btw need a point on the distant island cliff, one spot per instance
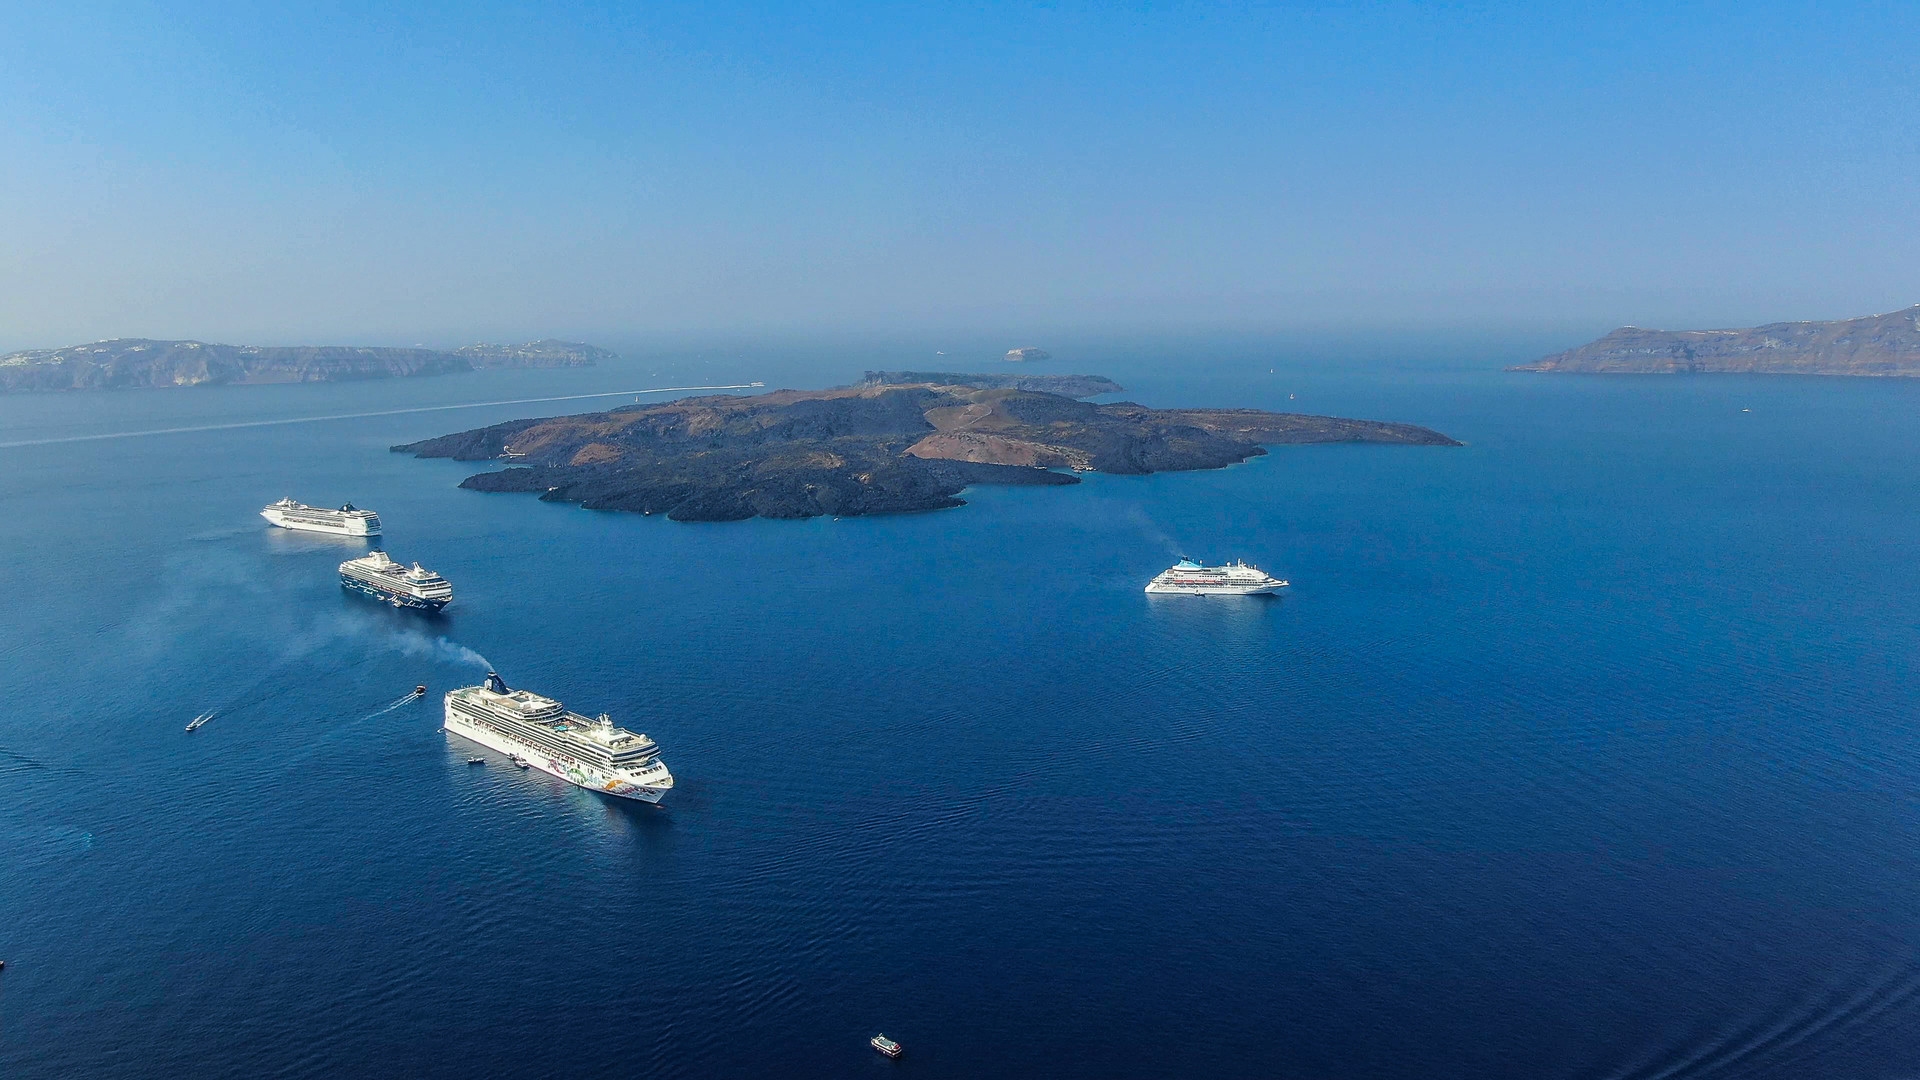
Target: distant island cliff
(143, 362)
(1076, 386)
(1886, 344)
(875, 448)
(543, 353)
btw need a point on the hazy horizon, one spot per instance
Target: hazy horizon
(368, 176)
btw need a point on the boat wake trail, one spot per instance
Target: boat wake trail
(275, 684)
(405, 699)
(1788, 1042)
(357, 416)
(347, 725)
(14, 762)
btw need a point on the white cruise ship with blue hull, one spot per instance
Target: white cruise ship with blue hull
(395, 583)
(539, 731)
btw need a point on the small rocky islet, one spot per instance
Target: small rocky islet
(883, 446)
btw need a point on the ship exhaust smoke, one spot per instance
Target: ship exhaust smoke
(1152, 530)
(417, 643)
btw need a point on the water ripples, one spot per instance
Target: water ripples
(1509, 784)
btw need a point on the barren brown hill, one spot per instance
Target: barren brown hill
(865, 449)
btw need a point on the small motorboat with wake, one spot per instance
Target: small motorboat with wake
(194, 724)
(420, 691)
(476, 761)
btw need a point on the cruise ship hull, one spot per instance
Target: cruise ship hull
(1218, 590)
(1189, 578)
(347, 527)
(577, 773)
(389, 596)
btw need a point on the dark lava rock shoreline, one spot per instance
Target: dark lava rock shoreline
(878, 448)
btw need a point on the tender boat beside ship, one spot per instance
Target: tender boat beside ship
(346, 521)
(380, 577)
(1233, 579)
(539, 732)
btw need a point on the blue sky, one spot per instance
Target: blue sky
(380, 172)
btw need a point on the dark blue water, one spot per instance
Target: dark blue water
(1584, 751)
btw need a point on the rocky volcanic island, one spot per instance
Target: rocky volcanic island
(886, 445)
(1886, 344)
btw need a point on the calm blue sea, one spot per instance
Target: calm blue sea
(1584, 751)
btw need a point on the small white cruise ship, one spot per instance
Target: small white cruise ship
(346, 521)
(539, 731)
(396, 583)
(1233, 579)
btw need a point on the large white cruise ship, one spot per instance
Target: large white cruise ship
(345, 521)
(383, 579)
(592, 754)
(1234, 579)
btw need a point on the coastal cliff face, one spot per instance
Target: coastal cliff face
(544, 353)
(140, 362)
(866, 449)
(126, 363)
(1887, 344)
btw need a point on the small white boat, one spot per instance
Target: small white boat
(520, 763)
(887, 1046)
(194, 725)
